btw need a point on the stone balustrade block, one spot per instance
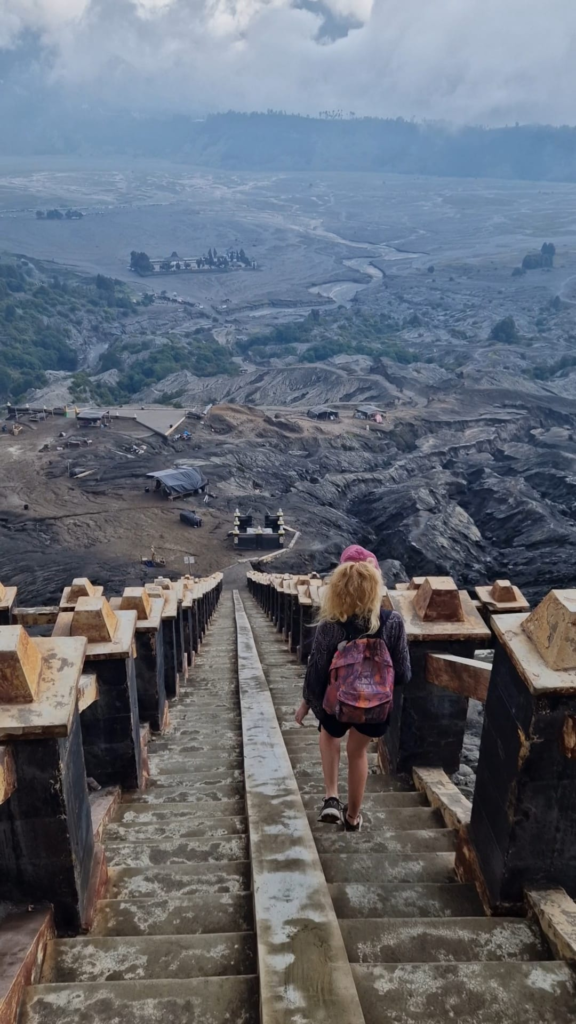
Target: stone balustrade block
(20, 666)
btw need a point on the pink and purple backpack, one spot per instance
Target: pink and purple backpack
(361, 686)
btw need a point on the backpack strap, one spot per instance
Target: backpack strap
(384, 616)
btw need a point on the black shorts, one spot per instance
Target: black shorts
(339, 729)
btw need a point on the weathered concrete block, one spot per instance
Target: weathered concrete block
(523, 827)
(136, 599)
(438, 600)
(110, 725)
(45, 827)
(7, 604)
(427, 723)
(94, 618)
(20, 666)
(552, 629)
(81, 587)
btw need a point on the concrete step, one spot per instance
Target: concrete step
(303, 762)
(193, 707)
(375, 785)
(181, 828)
(207, 849)
(176, 915)
(213, 1000)
(191, 718)
(202, 722)
(478, 993)
(460, 940)
(304, 740)
(219, 773)
(291, 728)
(441, 840)
(148, 957)
(206, 697)
(197, 691)
(392, 819)
(304, 734)
(314, 776)
(190, 748)
(152, 813)
(181, 789)
(366, 867)
(183, 879)
(195, 762)
(409, 900)
(374, 801)
(187, 735)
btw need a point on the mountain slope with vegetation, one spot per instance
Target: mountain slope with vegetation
(60, 321)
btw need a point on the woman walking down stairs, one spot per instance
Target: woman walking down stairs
(422, 950)
(176, 939)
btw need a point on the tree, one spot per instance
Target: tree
(140, 262)
(104, 284)
(505, 331)
(40, 215)
(55, 215)
(548, 252)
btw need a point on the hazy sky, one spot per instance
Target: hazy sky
(489, 61)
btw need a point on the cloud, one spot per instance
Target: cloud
(457, 60)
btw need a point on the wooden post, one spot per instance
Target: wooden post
(110, 725)
(7, 604)
(306, 631)
(149, 654)
(428, 721)
(523, 827)
(46, 839)
(183, 661)
(173, 610)
(169, 612)
(502, 598)
(281, 612)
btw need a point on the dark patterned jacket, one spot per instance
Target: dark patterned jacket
(330, 634)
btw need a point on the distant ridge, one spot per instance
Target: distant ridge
(288, 142)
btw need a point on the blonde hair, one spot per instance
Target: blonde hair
(354, 590)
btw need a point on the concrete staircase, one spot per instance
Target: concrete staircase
(421, 949)
(174, 939)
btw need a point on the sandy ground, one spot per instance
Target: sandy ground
(118, 524)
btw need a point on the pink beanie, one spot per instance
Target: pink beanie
(355, 553)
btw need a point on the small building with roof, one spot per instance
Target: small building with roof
(179, 483)
(368, 412)
(323, 412)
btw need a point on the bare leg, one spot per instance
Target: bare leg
(330, 753)
(357, 772)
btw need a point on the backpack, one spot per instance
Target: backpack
(361, 685)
